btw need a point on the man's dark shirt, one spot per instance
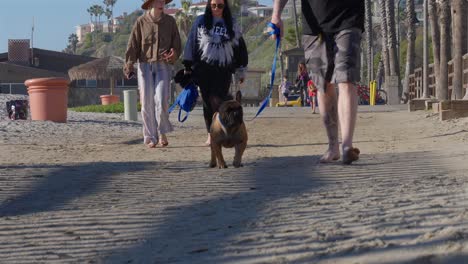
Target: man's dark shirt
(331, 16)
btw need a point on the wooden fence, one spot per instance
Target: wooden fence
(416, 80)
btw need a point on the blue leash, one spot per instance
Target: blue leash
(277, 33)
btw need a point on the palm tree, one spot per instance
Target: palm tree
(380, 71)
(183, 18)
(110, 4)
(99, 13)
(459, 46)
(444, 22)
(411, 37)
(72, 42)
(391, 39)
(91, 13)
(370, 62)
(108, 14)
(383, 29)
(435, 36)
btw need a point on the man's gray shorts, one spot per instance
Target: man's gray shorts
(333, 57)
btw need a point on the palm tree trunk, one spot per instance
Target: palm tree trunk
(459, 46)
(370, 56)
(435, 34)
(380, 72)
(383, 28)
(444, 21)
(391, 39)
(363, 65)
(411, 37)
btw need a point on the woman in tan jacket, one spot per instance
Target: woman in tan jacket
(155, 44)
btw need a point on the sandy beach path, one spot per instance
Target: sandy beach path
(89, 192)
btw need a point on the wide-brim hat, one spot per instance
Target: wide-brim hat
(147, 3)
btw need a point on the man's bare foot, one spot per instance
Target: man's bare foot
(208, 140)
(151, 145)
(330, 156)
(350, 154)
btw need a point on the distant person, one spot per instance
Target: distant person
(301, 81)
(155, 44)
(332, 32)
(312, 90)
(215, 49)
(284, 89)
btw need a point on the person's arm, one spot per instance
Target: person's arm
(278, 6)
(176, 46)
(242, 60)
(298, 80)
(133, 50)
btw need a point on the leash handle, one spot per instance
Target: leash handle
(185, 118)
(276, 31)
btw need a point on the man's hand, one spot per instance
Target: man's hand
(241, 80)
(279, 23)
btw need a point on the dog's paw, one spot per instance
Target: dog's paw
(212, 164)
(237, 164)
(222, 166)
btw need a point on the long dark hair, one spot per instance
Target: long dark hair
(227, 16)
(301, 67)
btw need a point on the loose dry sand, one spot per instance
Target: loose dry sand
(89, 191)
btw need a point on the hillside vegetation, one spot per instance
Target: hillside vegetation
(261, 48)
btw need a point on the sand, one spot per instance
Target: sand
(89, 191)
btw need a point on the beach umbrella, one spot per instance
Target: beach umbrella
(100, 69)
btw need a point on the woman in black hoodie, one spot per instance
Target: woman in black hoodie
(214, 51)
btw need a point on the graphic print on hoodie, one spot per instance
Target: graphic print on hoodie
(215, 47)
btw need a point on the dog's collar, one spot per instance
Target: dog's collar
(223, 127)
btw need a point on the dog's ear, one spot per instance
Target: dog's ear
(239, 97)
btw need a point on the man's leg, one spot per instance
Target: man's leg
(347, 68)
(329, 111)
(347, 112)
(319, 55)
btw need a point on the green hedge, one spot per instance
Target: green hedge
(113, 108)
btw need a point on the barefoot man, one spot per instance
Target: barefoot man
(332, 36)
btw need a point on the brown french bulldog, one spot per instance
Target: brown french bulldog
(228, 130)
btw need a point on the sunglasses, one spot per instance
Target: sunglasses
(219, 6)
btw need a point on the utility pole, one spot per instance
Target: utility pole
(425, 53)
(398, 30)
(32, 42)
(240, 13)
(298, 43)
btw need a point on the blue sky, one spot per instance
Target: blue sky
(54, 20)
